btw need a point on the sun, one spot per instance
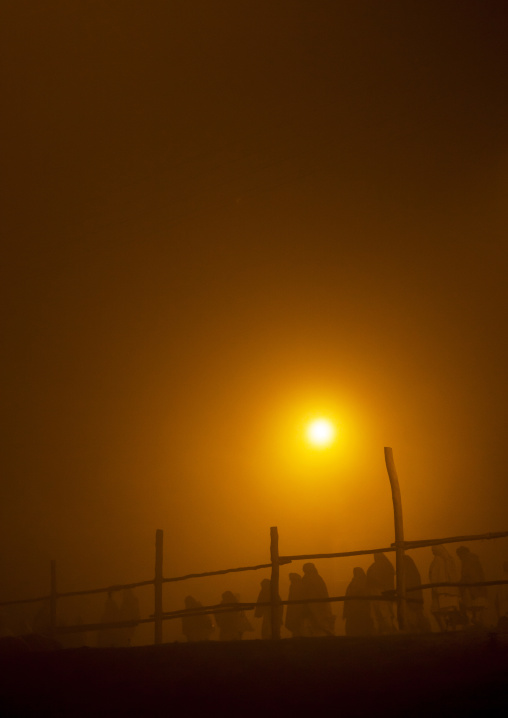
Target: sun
(320, 433)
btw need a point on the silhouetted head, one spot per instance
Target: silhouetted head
(382, 561)
(190, 602)
(295, 577)
(359, 572)
(440, 551)
(229, 597)
(309, 569)
(266, 583)
(463, 552)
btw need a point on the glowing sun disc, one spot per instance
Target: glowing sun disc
(321, 432)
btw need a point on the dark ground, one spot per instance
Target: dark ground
(450, 674)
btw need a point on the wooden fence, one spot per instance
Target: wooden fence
(159, 615)
(276, 561)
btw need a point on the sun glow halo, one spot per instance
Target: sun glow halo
(320, 433)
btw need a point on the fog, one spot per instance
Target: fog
(222, 219)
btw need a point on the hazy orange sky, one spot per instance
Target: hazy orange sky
(220, 218)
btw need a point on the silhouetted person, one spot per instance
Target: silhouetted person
(232, 624)
(110, 637)
(356, 612)
(445, 599)
(295, 613)
(381, 578)
(42, 620)
(416, 619)
(501, 602)
(196, 628)
(129, 611)
(474, 598)
(73, 640)
(4, 630)
(319, 619)
(265, 612)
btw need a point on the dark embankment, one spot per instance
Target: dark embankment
(452, 675)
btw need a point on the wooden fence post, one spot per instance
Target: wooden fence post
(158, 587)
(52, 600)
(274, 583)
(399, 539)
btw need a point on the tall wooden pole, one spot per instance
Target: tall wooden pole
(274, 583)
(52, 599)
(158, 587)
(399, 539)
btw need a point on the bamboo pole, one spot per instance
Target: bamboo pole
(52, 599)
(274, 582)
(158, 587)
(399, 538)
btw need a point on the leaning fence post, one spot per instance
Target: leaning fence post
(157, 585)
(399, 539)
(274, 583)
(52, 599)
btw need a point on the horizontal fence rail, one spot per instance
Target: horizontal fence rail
(85, 627)
(109, 589)
(341, 554)
(20, 601)
(455, 539)
(87, 592)
(457, 584)
(259, 566)
(231, 607)
(389, 596)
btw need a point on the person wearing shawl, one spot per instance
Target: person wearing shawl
(319, 619)
(295, 613)
(129, 611)
(232, 624)
(356, 611)
(196, 628)
(110, 637)
(501, 602)
(265, 612)
(474, 598)
(417, 621)
(445, 599)
(381, 578)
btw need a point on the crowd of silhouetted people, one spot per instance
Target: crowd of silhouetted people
(368, 608)
(312, 617)
(369, 605)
